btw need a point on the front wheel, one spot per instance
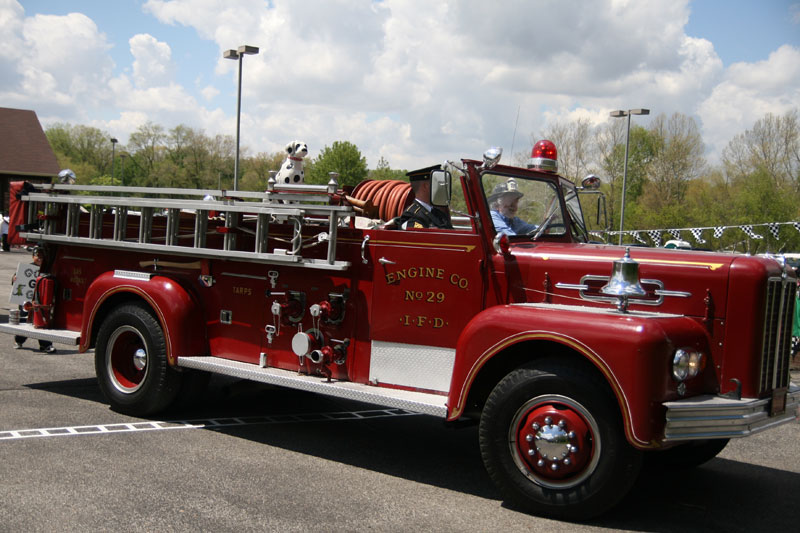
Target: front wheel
(552, 441)
(131, 362)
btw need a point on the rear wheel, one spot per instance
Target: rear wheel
(552, 441)
(131, 362)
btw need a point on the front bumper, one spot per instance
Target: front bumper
(715, 417)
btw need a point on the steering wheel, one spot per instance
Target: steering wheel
(544, 225)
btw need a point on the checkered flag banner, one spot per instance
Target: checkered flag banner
(655, 236)
(718, 231)
(749, 232)
(697, 233)
(676, 233)
(774, 228)
(638, 237)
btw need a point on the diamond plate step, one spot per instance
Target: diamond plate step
(61, 336)
(418, 402)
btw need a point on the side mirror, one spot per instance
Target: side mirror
(590, 182)
(491, 157)
(440, 187)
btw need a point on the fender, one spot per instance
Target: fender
(633, 351)
(175, 309)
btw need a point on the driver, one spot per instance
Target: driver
(421, 214)
(504, 202)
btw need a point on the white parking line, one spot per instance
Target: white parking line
(202, 423)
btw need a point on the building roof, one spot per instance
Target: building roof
(24, 149)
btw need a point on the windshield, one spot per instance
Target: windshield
(523, 206)
(577, 225)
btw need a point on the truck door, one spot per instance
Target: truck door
(427, 285)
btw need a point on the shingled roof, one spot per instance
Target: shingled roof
(24, 149)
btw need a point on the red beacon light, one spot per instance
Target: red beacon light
(544, 157)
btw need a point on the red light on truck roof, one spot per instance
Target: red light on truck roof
(544, 156)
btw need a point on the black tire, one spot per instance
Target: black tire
(595, 464)
(689, 455)
(131, 362)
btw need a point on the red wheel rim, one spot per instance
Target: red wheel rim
(555, 441)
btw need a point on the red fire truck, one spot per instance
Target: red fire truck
(575, 358)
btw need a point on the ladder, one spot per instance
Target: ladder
(302, 206)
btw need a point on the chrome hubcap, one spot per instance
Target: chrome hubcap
(140, 359)
(554, 441)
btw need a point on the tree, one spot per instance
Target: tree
(257, 169)
(772, 145)
(342, 157)
(677, 159)
(383, 171)
(221, 150)
(81, 144)
(575, 147)
(611, 149)
(146, 143)
(177, 140)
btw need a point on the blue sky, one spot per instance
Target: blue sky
(190, 52)
(412, 81)
(744, 30)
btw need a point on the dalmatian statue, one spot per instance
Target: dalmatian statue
(292, 168)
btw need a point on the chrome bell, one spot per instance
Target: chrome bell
(624, 281)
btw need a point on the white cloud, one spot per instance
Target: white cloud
(152, 61)
(426, 80)
(411, 80)
(747, 92)
(209, 92)
(55, 64)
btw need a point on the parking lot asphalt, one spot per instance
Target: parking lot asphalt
(249, 457)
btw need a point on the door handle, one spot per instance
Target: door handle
(364, 249)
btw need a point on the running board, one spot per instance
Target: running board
(418, 402)
(61, 336)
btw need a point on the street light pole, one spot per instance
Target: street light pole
(122, 156)
(239, 55)
(113, 157)
(617, 114)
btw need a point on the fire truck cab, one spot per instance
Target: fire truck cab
(575, 358)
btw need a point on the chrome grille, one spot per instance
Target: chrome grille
(776, 345)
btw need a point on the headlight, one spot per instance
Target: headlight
(687, 364)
